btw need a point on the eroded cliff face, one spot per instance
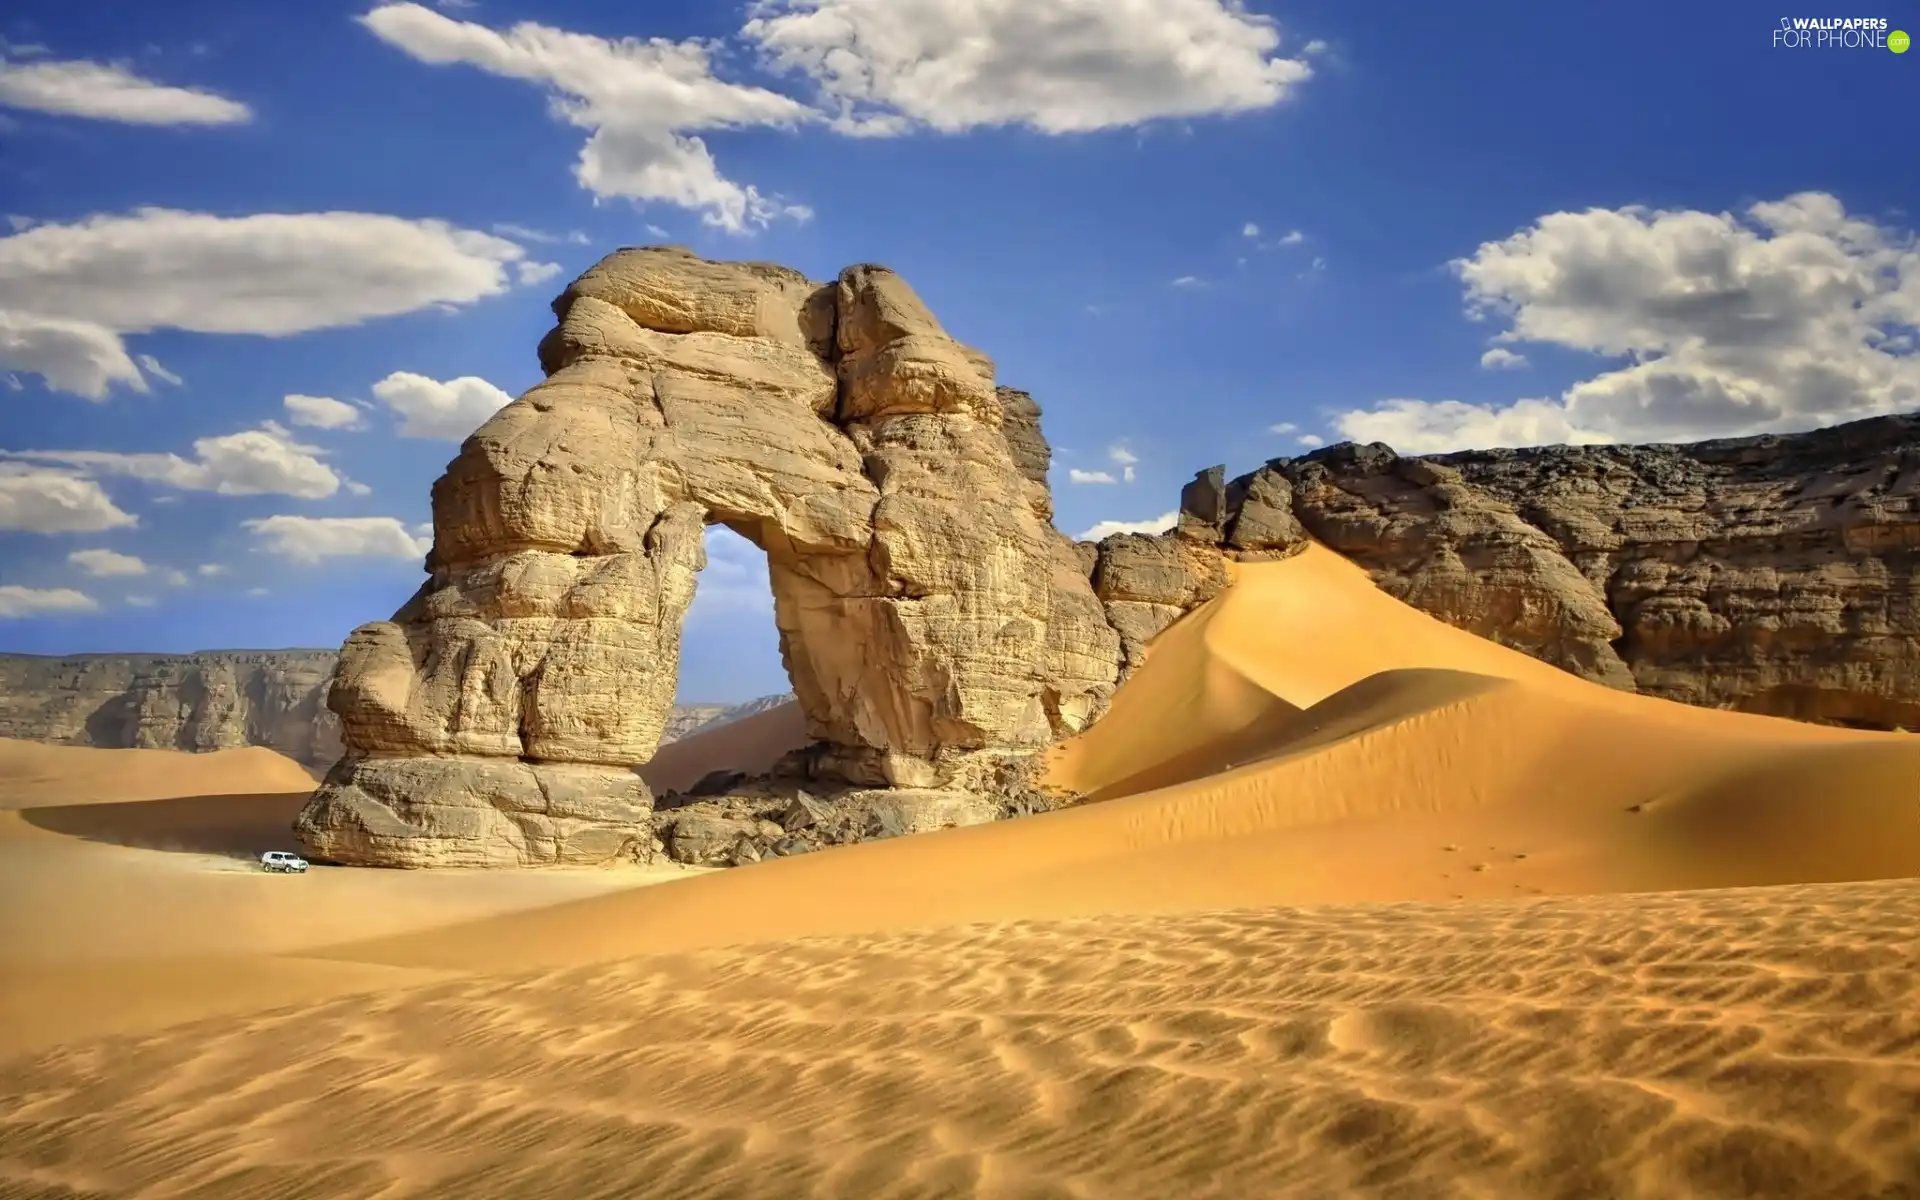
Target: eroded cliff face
(1776, 574)
(208, 701)
(931, 619)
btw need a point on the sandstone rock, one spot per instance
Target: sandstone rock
(898, 811)
(928, 613)
(477, 812)
(700, 840)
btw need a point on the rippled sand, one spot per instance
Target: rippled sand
(1760, 1043)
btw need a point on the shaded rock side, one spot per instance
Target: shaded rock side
(213, 700)
(923, 611)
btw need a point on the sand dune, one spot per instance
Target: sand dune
(33, 774)
(1359, 905)
(750, 745)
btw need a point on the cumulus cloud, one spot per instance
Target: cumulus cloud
(1310, 440)
(141, 601)
(46, 500)
(311, 539)
(111, 92)
(69, 293)
(1249, 230)
(430, 408)
(1292, 237)
(72, 356)
(1502, 359)
(1791, 315)
(104, 563)
(1076, 475)
(254, 462)
(17, 601)
(641, 103)
(322, 412)
(1125, 459)
(1105, 529)
(1066, 66)
(209, 570)
(1282, 427)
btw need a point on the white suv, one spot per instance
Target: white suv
(280, 860)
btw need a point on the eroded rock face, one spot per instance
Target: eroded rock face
(929, 615)
(1776, 574)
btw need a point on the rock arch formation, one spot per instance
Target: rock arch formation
(930, 617)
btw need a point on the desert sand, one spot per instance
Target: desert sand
(1359, 905)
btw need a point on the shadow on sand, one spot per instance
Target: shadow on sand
(239, 826)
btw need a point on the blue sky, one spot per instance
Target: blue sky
(1197, 232)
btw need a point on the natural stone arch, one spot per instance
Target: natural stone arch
(930, 617)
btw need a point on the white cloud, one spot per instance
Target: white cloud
(1189, 281)
(310, 539)
(254, 462)
(1502, 359)
(1283, 427)
(17, 601)
(69, 292)
(429, 408)
(640, 102)
(322, 412)
(1789, 316)
(141, 601)
(1437, 426)
(1125, 459)
(110, 92)
(1065, 66)
(1316, 46)
(1310, 440)
(656, 231)
(177, 578)
(72, 356)
(103, 563)
(254, 593)
(47, 500)
(735, 580)
(1076, 475)
(1250, 230)
(535, 272)
(209, 570)
(356, 488)
(151, 366)
(1293, 237)
(1105, 529)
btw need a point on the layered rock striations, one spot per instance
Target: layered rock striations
(212, 700)
(930, 617)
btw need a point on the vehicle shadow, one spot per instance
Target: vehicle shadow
(239, 826)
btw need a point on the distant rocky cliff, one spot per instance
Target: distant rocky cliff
(207, 701)
(213, 700)
(1775, 574)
